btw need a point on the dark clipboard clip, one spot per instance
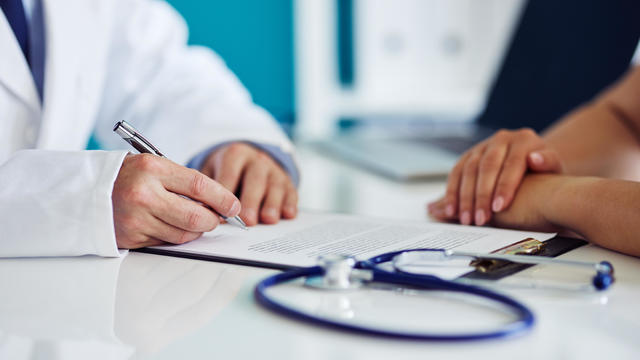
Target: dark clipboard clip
(487, 269)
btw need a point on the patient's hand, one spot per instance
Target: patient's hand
(486, 178)
(528, 208)
(265, 190)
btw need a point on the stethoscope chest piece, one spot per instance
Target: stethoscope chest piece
(340, 274)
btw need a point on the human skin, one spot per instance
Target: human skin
(601, 138)
(266, 191)
(148, 209)
(604, 211)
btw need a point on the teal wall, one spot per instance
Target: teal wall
(255, 38)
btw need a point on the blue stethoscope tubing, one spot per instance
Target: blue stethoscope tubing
(524, 322)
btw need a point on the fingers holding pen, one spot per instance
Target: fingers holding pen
(171, 234)
(200, 187)
(185, 214)
(147, 206)
(148, 195)
(141, 229)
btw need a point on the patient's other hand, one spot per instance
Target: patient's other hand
(487, 176)
(528, 210)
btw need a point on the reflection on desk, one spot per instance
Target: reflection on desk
(66, 308)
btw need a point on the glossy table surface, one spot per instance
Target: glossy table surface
(149, 306)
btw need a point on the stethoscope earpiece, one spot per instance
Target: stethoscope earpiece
(603, 278)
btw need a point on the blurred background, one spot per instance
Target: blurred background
(255, 38)
(312, 63)
(315, 62)
(326, 67)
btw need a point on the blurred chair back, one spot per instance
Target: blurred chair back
(562, 54)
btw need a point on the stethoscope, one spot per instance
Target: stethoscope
(345, 272)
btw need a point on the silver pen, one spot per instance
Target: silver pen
(135, 139)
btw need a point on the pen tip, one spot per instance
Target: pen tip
(241, 223)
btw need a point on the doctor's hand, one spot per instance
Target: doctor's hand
(148, 209)
(266, 191)
(487, 176)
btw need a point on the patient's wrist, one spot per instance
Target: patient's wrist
(566, 201)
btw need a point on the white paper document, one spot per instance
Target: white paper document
(299, 242)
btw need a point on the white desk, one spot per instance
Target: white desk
(148, 306)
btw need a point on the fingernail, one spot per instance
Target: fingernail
(465, 218)
(449, 210)
(536, 158)
(497, 204)
(480, 217)
(251, 215)
(235, 208)
(290, 209)
(270, 212)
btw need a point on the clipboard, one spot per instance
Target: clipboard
(213, 258)
(553, 247)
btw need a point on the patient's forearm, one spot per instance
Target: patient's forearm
(603, 138)
(592, 142)
(604, 211)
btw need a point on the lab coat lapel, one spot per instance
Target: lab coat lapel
(75, 43)
(15, 74)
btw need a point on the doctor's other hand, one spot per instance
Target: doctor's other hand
(487, 176)
(265, 190)
(148, 209)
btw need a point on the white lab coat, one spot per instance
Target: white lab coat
(106, 60)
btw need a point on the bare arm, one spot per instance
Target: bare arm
(603, 211)
(602, 138)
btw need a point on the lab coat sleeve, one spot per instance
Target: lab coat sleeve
(183, 98)
(69, 214)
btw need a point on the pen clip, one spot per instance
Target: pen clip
(135, 139)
